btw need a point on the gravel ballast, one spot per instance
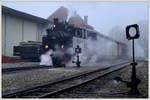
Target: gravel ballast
(107, 87)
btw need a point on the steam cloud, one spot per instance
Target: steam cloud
(95, 51)
(141, 44)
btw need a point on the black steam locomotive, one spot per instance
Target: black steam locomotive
(59, 38)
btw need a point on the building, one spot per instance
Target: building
(79, 22)
(61, 13)
(20, 27)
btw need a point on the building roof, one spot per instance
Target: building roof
(61, 14)
(79, 22)
(16, 13)
(76, 20)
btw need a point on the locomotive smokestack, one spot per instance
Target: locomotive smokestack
(86, 19)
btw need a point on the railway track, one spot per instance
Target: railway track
(19, 69)
(52, 88)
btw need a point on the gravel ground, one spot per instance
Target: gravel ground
(19, 64)
(106, 87)
(24, 79)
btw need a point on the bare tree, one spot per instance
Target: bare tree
(143, 40)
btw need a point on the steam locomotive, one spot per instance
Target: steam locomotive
(59, 38)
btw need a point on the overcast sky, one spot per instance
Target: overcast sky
(101, 15)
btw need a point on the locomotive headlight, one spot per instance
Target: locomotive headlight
(62, 46)
(46, 46)
(54, 25)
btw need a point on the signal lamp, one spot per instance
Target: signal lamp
(78, 49)
(132, 32)
(46, 46)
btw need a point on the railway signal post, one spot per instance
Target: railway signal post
(77, 51)
(132, 32)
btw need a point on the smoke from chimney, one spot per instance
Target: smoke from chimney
(86, 19)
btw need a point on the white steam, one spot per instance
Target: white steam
(95, 51)
(141, 44)
(46, 59)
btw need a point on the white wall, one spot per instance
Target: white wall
(13, 34)
(42, 31)
(15, 30)
(3, 34)
(30, 31)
